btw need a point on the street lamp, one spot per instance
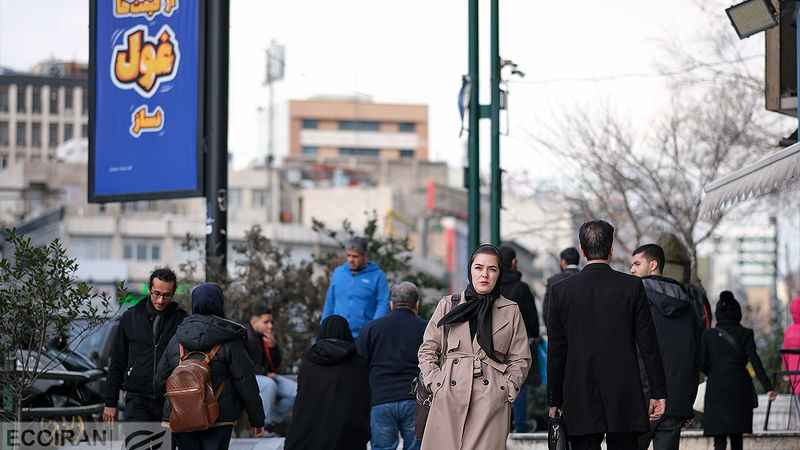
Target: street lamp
(752, 16)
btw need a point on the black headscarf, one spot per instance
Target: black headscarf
(728, 309)
(207, 299)
(477, 308)
(335, 327)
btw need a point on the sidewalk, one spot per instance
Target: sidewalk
(257, 444)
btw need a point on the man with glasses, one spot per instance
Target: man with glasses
(142, 336)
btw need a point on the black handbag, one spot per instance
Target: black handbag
(557, 434)
(423, 396)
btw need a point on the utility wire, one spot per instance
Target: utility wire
(668, 73)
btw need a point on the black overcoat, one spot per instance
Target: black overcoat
(331, 411)
(729, 389)
(597, 317)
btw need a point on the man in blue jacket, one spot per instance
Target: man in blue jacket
(358, 291)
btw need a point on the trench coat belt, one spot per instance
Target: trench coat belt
(478, 356)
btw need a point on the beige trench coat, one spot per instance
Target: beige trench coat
(473, 412)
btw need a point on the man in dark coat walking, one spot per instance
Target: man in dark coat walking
(389, 344)
(142, 336)
(597, 318)
(569, 267)
(679, 340)
(513, 288)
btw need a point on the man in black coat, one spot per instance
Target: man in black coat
(389, 344)
(513, 288)
(569, 267)
(597, 318)
(142, 336)
(679, 339)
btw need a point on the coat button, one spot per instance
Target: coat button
(455, 361)
(438, 384)
(502, 388)
(452, 382)
(485, 382)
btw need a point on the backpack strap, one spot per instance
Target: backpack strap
(208, 357)
(724, 334)
(211, 354)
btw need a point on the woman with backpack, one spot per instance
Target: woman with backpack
(730, 394)
(221, 343)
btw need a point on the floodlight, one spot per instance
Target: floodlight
(752, 16)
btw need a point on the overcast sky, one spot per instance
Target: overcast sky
(575, 55)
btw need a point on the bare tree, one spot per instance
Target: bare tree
(651, 180)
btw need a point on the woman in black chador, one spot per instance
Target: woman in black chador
(730, 394)
(331, 410)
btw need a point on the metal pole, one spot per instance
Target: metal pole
(216, 125)
(474, 193)
(495, 198)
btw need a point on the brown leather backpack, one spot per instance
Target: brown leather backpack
(193, 405)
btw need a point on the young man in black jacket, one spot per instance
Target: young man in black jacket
(143, 333)
(679, 340)
(276, 391)
(513, 288)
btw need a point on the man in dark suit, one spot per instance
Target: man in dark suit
(569, 267)
(597, 318)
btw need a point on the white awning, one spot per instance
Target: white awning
(771, 172)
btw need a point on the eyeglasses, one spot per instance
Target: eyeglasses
(166, 295)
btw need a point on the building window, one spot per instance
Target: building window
(310, 124)
(21, 134)
(141, 252)
(137, 206)
(235, 197)
(67, 132)
(359, 125)
(68, 101)
(309, 150)
(405, 127)
(53, 100)
(36, 134)
(20, 99)
(405, 153)
(84, 130)
(348, 151)
(259, 198)
(3, 99)
(52, 135)
(36, 198)
(3, 134)
(36, 107)
(3, 161)
(85, 103)
(155, 252)
(90, 247)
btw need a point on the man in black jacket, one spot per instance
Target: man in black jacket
(513, 288)
(143, 333)
(597, 318)
(679, 341)
(389, 344)
(276, 391)
(569, 267)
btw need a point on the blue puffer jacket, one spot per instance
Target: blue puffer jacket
(358, 298)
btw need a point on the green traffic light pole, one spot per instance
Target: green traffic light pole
(473, 177)
(495, 197)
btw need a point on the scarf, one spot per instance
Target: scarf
(477, 308)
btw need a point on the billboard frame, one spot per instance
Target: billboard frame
(200, 143)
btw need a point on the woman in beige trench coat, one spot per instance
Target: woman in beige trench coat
(486, 360)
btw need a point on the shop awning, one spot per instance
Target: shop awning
(769, 173)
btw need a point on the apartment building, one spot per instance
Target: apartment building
(41, 110)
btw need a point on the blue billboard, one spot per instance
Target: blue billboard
(145, 84)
